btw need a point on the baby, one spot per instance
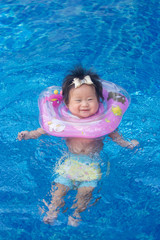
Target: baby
(82, 93)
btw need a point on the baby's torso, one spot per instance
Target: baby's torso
(84, 146)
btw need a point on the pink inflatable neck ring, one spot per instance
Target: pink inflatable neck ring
(56, 119)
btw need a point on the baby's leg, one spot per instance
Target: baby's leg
(83, 198)
(57, 202)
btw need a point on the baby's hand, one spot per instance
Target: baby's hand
(133, 144)
(24, 135)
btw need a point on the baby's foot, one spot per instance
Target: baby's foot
(74, 222)
(51, 217)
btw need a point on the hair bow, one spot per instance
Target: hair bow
(78, 82)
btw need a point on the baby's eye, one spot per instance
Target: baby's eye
(78, 100)
(90, 99)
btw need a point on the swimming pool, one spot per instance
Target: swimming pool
(40, 41)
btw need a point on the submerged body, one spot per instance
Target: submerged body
(82, 92)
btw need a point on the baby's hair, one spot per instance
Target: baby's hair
(81, 73)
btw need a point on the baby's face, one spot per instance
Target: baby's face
(83, 101)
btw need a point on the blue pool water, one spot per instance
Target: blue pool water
(39, 42)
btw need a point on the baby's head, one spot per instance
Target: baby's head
(82, 92)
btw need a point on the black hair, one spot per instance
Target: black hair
(80, 72)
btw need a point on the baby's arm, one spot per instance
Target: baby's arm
(25, 135)
(116, 137)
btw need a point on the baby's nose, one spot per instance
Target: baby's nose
(84, 103)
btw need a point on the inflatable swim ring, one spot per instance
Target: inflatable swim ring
(56, 119)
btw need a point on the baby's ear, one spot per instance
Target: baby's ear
(66, 105)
